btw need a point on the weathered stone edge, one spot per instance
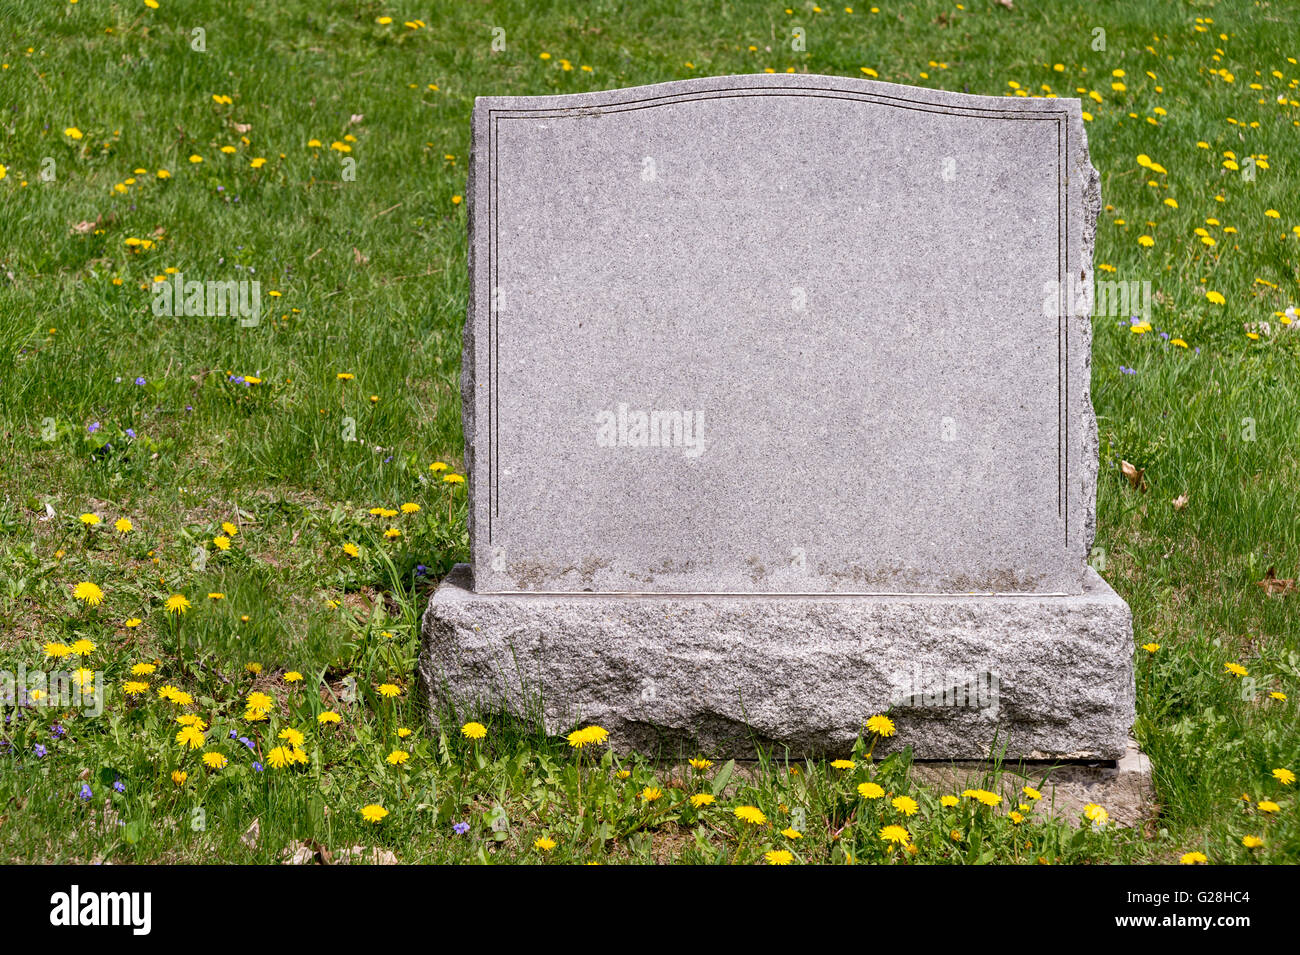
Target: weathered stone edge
(717, 675)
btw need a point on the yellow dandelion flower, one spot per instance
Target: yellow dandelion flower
(1096, 814)
(895, 834)
(905, 804)
(751, 815)
(882, 726)
(591, 735)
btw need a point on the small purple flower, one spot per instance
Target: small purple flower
(460, 828)
(57, 731)
(85, 793)
(119, 786)
(92, 427)
(140, 380)
(421, 570)
(257, 767)
(247, 742)
(40, 751)
(234, 734)
(130, 433)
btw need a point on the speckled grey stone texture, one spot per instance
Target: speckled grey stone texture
(1044, 676)
(841, 282)
(777, 416)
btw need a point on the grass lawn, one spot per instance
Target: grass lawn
(289, 478)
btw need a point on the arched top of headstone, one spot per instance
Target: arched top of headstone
(780, 334)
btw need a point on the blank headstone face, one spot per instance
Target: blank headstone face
(778, 334)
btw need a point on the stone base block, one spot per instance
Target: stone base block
(961, 676)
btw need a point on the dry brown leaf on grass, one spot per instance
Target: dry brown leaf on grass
(306, 853)
(359, 257)
(1179, 502)
(1276, 586)
(312, 852)
(252, 835)
(1136, 476)
(370, 856)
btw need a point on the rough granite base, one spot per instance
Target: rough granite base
(962, 676)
